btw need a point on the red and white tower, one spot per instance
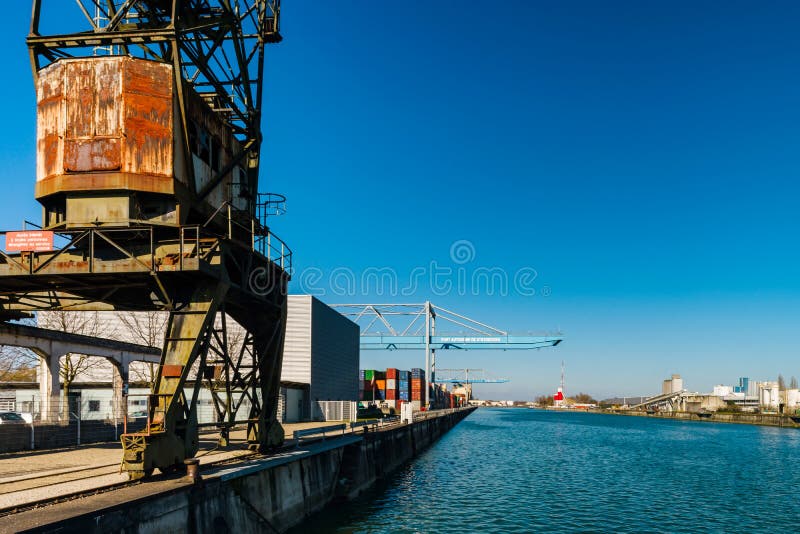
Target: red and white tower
(558, 398)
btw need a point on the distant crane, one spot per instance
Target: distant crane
(464, 378)
(467, 376)
(413, 326)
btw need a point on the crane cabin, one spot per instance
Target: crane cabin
(115, 149)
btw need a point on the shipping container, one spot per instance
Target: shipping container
(391, 383)
(391, 373)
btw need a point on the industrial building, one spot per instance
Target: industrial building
(672, 384)
(320, 357)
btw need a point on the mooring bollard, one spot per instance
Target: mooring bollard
(193, 470)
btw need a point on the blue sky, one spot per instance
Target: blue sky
(641, 157)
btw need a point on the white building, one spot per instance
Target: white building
(722, 391)
(791, 399)
(768, 395)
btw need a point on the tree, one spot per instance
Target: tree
(17, 364)
(74, 322)
(145, 328)
(544, 400)
(584, 398)
(793, 383)
(781, 383)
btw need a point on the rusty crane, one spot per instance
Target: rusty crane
(148, 157)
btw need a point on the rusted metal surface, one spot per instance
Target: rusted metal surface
(171, 371)
(50, 123)
(98, 181)
(103, 115)
(148, 122)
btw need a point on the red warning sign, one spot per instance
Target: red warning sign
(32, 241)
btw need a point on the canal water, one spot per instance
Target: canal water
(523, 470)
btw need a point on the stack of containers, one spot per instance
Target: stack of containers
(380, 385)
(417, 387)
(391, 388)
(366, 385)
(436, 396)
(403, 388)
(372, 385)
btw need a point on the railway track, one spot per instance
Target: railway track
(22, 494)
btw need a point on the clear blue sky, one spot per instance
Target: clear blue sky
(642, 157)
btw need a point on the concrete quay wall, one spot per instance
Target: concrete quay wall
(764, 419)
(269, 495)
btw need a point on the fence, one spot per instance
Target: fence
(334, 411)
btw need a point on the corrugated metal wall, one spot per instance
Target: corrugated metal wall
(334, 354)
(297, 346)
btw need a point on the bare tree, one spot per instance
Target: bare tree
(793, 383)
(85, 323)
(17, 364)
(781, 383)
(146, 328)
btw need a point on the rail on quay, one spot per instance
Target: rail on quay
(270, 493)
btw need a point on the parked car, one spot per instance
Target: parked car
(11, 418)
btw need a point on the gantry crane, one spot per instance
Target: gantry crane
(414, 326)
(467, 376)
(148, 159)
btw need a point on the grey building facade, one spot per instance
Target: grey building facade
(321, 349)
